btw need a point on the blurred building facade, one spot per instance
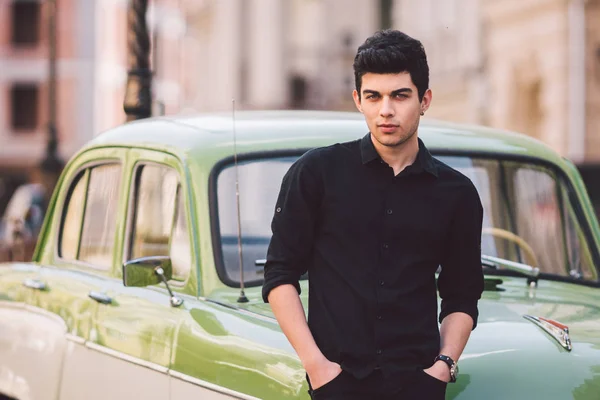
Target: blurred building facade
(526, 65)
(530, 66)
(91, 74)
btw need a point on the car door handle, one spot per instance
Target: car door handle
(35, 284)
(100, 297)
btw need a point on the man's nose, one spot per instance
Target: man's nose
(386, 109)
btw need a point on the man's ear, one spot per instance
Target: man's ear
(426, 102)
(356, 100)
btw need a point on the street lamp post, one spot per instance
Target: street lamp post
(51, 164)
(138, 98)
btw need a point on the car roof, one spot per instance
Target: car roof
(209, 137)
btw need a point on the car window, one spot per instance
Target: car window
(259, 183)
(159, 225)
(100, 216)
(529, 215)
(73, 216)
(540, 222)
(89, 216)
(180, 250)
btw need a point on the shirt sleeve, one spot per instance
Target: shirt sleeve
(293, 227)
(460, 282)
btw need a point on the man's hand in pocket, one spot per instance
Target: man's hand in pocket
(322, 372)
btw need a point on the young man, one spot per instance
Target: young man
(371, 221)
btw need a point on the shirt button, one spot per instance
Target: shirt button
(379, 351)
(278, 209)
(385, 246)
(389, 211)
(381, 283)
(379, 317)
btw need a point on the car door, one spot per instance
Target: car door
(77, 259)
(134, 334)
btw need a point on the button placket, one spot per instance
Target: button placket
(380, 283)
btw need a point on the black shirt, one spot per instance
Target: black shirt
(372, 243)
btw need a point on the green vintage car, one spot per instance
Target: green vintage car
(134, 291)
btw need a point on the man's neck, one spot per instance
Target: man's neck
(398, 157)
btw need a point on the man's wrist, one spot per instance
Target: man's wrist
(313, 361)
(449, 365)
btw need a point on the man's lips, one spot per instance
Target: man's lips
(387, 128)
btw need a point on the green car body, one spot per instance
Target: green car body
(74, 331)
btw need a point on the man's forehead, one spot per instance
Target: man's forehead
(388, 82)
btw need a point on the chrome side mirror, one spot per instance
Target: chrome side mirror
(146, 271)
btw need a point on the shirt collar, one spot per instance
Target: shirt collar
(424, 159)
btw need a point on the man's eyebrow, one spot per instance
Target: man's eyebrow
(402, 90)
(394, 92)
(369, 91)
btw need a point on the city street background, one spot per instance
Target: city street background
(527, 65)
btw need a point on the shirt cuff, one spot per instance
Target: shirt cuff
(268, 286)
(468, 307)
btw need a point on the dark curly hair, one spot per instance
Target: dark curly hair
(391, 52)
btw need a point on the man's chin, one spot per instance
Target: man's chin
(393, 142)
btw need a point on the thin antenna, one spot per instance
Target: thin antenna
(242, 298)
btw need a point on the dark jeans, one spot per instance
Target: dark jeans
(414, 385)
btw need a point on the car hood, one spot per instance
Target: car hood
(507, 351)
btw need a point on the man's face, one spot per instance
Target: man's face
(391, 106)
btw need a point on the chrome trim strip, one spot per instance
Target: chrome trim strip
(559, 334)
(253, 314)
(211, 386)
(126, 357)
(74, 338)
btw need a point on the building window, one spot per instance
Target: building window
(385, 16)
(298, 92)
(25, 22)
(24, 104)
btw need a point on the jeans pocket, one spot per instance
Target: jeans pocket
(433, 379)
(329, 384)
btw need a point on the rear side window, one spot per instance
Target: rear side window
(99, 221)
(156, 188)
(159, 219)
(89, 219)
(73, 216)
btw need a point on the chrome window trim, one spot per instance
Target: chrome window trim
(210, 386)
(126, 357)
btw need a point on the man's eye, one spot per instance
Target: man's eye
(401, 96)
(371, 96)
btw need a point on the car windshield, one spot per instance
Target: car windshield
(530, 216)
